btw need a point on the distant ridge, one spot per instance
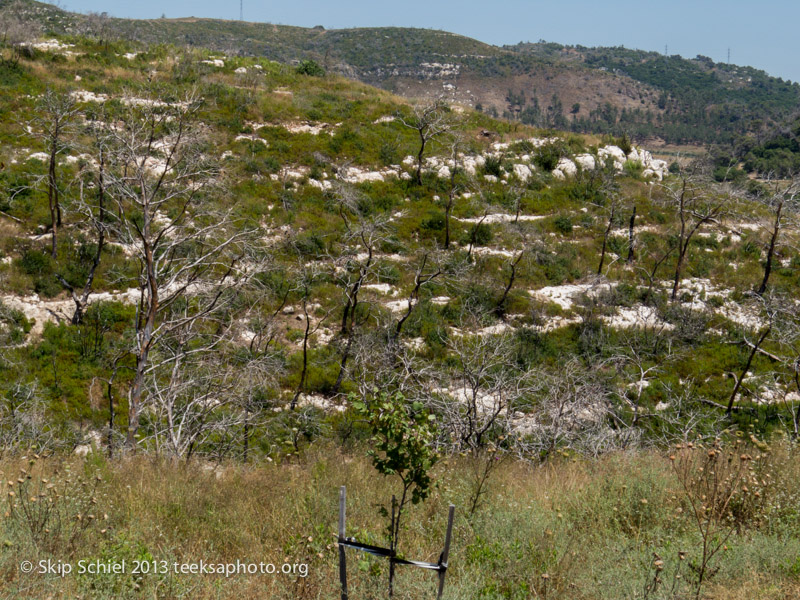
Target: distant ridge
(590, 90)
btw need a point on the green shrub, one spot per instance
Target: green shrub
(433, 222)
(563, 224)
(624, 143)
(479, 234)
(548, 155)
(310, 244)
(40, 266)
(389, 153)
(36, 263)
(633, 168)
(14, 326)
(493, 166)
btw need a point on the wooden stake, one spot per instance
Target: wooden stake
(393, 549)
(342, 558)
(446, 551)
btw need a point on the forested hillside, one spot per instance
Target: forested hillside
(719, 101)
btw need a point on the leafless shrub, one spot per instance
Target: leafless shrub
(16, 29)
(24, 423)
(711, 479)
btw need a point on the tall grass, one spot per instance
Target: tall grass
(567, 529)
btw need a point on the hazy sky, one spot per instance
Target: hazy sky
(760, 34)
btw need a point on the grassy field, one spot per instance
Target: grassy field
(622, 526)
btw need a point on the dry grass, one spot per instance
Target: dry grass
(590, 526)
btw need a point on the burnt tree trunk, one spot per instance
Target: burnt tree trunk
(631, 239)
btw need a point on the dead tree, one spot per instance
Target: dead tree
(477, 400)
(500, 308)
(429, 121)
(421, 278)
(610, 202)
(651, 274)
(768, 308)
(783, 205)
(573, 411)
(307, 279)
(478, 396)
(354, 273)
(92, 205)
(16, 30)
(631, 238)
(695, 207)
(187, 396)
(98, 26)
(473, 235)
(455, 187)
(612, 213)
(53, 124)
(639, 357)
(156, 179)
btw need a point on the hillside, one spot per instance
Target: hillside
(518, 235)
(590, 90)
(230, 285)
(776, 154)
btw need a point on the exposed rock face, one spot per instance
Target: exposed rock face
(652, 166)
(42, 311)
(85, 96)
(615, 154)
(523, 172)
(586, 162)
(567, 167)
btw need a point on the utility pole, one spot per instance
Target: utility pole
(729, 56)
(241, 10)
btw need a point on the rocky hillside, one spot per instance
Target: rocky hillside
(236, 216)
(597, 90)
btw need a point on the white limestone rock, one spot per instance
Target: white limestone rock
(522, 172)
(586, 162)
(615, 153)
(567, 167)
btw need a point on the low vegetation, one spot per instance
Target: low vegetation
(624, 526)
